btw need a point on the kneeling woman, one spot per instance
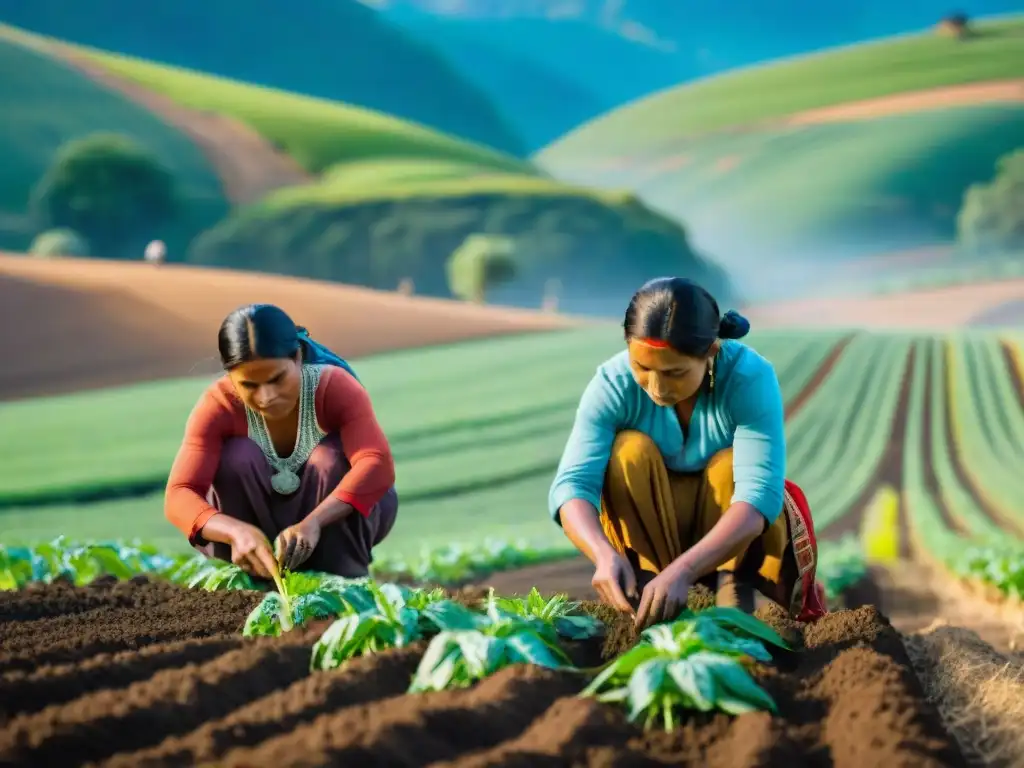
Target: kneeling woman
(674, 472)
(286, 448)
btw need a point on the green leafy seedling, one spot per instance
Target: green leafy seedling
(694, 663)
(556, 611)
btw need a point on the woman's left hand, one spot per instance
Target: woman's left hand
(663, 598)
(296, 543)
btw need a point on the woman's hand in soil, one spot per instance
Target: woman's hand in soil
(614, 581)
(295, 544)
(250, 551)
(663, 598)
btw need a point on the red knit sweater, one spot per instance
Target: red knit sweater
(342, 407)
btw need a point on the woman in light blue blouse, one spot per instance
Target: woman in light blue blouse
(675, 469)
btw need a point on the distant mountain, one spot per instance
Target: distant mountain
(543, 94)
(336, 49)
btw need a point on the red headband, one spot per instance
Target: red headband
(655, 343)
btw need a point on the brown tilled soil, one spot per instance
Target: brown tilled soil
(151, 675)
(86, 323)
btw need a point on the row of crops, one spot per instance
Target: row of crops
(476, 436)
(963, 418)
(699, 661)
(80, 563)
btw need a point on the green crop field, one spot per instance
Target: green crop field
(774, 90)
(477, 436)
(474, 452)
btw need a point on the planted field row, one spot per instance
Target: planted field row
(508, 403)
(952, 444)
(511, 688)
(476, 435)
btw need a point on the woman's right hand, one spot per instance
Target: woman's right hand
(614, 581)
(251, 551)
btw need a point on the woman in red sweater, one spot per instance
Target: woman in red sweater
(285, 448)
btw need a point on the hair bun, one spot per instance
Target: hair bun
(733, 325)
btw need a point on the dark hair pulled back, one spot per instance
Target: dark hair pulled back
(682, 314)
(265, 331)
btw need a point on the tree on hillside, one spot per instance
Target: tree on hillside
(480, 263)
(991, 220)
(59, 242)
(109, 189)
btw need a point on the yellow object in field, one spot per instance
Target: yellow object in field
(880, 531)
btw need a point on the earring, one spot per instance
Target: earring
(711, 370)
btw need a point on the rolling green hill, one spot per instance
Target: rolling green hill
(751, 95)
(395, 198)
(44, 103)
(721, 156)
(377, 222)
(334, 49)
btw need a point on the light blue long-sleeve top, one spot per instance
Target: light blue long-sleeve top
(744, 410)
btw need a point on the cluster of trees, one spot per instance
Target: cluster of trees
(991, 221)
(104, 194)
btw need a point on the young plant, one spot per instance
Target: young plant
(459, 656)
(200, 572)
(557, 611)
(304, 596)
(394, 617)
(20, 566)
(696, 662)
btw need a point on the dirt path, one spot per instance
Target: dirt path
(967, 95)
(248, 166)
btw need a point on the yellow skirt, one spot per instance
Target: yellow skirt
(652, 515)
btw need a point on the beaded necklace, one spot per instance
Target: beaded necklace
(286, 478)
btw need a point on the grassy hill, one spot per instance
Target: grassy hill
(388, 199)
(316, 132)
(777, 89)
(727, 156)
(377, 222)
(334, 49)
(44, 103)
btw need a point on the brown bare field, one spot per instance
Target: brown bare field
(933, 309)
(72, 324)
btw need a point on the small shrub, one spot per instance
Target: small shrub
(480, 263)
(109, 189)
(59, 242)
(991, 220)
